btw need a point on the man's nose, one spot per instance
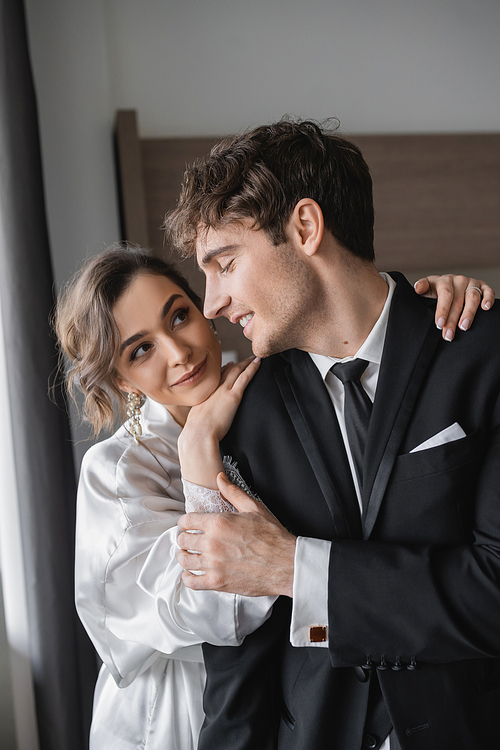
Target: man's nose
(216, 301)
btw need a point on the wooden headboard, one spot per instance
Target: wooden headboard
(437, 198)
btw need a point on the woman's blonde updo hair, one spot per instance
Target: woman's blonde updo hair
(87, 332)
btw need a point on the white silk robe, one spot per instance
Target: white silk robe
(145, 624)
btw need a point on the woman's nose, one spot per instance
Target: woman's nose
(177, 351)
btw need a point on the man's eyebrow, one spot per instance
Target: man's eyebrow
(140, 334)
(216, 251)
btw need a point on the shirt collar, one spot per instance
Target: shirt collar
(156, 419)
(372, 347)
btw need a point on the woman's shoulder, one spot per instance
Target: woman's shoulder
(158, 428)
(107, 452)
(120, 467)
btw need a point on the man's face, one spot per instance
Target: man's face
(268, 290)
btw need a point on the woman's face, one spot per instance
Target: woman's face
(168, 351)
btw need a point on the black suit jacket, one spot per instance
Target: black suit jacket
(415, 582)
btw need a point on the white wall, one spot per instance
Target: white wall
(203, 67)
(69, 58)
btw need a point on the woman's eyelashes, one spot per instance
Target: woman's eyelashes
(180, 315)
(136, 354)
(177, 318)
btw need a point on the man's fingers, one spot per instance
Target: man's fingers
(237, 497)
(188, 541)
(189, 560)
(191, 580)
(203, 580)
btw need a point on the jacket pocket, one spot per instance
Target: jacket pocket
(439, 459)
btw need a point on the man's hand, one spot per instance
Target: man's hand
(458, 298)
(248, 552)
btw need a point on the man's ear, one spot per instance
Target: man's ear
(306, 225)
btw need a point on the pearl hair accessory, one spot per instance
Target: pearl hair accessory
(134, 415)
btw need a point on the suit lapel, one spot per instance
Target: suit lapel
(313, 416)
(410, 343)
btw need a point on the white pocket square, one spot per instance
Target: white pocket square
(448, 435)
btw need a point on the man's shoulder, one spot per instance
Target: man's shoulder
(483, 337)
(421, 310)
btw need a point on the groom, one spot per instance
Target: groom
(377, 446)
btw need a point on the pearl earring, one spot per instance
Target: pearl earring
(134, 415)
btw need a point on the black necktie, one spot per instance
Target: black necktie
(357, 413)
(357, 409)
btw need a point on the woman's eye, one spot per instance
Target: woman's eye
(180, 316)
(140, 351)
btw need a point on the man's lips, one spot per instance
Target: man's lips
(193, 375)
(244, 320)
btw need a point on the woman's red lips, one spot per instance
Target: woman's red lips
(191, 377)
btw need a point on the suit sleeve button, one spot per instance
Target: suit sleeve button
(383, 664)
(368, 663)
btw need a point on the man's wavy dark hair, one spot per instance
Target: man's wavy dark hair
(262, 174)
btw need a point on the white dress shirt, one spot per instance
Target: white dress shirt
(310, 582)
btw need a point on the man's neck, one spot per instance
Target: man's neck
(354, 297)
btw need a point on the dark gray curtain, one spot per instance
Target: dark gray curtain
(62, 658)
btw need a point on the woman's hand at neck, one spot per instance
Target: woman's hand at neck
(207, 423)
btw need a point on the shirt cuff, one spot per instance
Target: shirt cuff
(309, 626)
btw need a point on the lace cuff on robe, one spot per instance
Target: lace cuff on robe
(202, 500)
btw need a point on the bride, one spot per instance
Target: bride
(138, 343)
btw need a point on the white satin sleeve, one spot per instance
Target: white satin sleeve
(217, 617)
(125, 503)
(129, 501)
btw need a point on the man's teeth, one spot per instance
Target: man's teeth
(246, 319)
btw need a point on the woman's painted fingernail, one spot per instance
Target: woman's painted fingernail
(257, 359)
(465, 324)
(449, 335)
(441, 323)
(487, 305)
